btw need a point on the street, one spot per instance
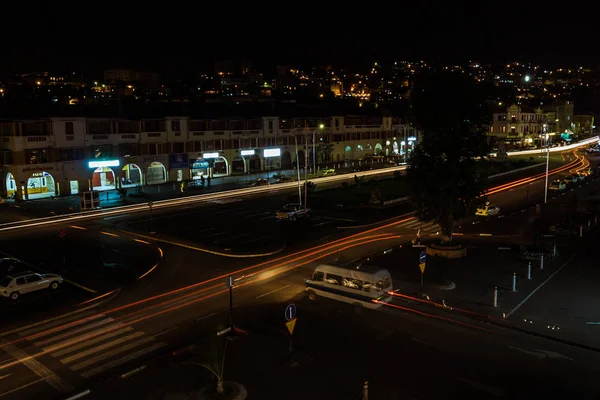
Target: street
(134, 296)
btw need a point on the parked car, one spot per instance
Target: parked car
(11, 265)
(328, 172)
(293, 211)
(487, 211)
(260, 182)
(571, 179)
(557, 185)
(15, 285)
(364, 167)
(283, 179)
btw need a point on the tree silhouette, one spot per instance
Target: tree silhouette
(449, 110)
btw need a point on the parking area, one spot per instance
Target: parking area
(241, 225)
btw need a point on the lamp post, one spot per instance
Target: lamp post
(297, 167)
(321, 126)
(547, 162)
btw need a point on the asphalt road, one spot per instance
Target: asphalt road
(177, 299)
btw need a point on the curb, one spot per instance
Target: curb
(190, 247)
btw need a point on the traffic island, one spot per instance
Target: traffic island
(446, 251)
(231, 391)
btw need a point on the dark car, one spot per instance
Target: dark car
(283, 179)
(260, 182)
(364, 167)
(11, 265)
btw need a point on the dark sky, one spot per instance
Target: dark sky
(178, 35)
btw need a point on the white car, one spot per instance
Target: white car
(557, 185)
(293, 212)
(14, 285)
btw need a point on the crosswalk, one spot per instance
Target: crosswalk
(90, 344)
(426, 227)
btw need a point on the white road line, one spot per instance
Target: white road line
(165, 332)
(540, 286)
(4, 376)
(257, 239)
(42, 343)
(273, 291)
(37, 368)
(101, 347)
(112, 353)
(207, 316)
(122, 360)
(322, 223)
(21, 387)
(87, 343)
(53, 322)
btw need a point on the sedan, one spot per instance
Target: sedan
(557, 185)
(15, 285)
(260, 182)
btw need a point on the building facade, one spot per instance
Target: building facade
(68, 156)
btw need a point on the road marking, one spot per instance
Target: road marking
(87, 289)
(112, 353)
(457, 234)
(165, 332)
(150, 270)
(109, 234)
(539, 287)
(504, 248)
(141, 241)
(207, 316)
(37, 368)
(51, 322)
(42, 343)
(21, 387)
(211, 235)
(337, 219)
(122, 360)
(257, 239)
(79, 227)
(86, 343)
(101, 347)
(322, 223)
(4, 376)
(273, 291)
(485, 234)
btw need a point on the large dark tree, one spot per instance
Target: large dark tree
(450, 111)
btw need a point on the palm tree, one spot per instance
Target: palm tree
(213, 360)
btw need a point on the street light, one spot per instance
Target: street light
(547, 162)
(314, 143)
(297, 167)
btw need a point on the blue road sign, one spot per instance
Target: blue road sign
(423, 256)
(290, 312)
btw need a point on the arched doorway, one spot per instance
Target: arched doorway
(103, 179)
(220, 168)
(301, 158)
(199, 168)
(11, 186)
(40, 186)
(156, 174)
(131, 175)
(378, 149)
(238, 165)
(286, 160)
(254, 164)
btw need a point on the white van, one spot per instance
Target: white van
(359, 285)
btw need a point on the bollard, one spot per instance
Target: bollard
(554, 250)
(514, 282)
(529, 271)
(542, 262)
(580, 230)
(366, 391)
(496, 296)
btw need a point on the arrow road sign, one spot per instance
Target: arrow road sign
(423, 256)
(290, 325)
(290, 312)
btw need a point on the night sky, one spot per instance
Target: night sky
(177, 36)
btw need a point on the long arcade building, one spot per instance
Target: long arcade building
(68, 156)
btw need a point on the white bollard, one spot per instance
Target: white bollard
(554, 250)
(514, 282)
(542, 262)
(496, 296)
(580, 230)
(529, 271)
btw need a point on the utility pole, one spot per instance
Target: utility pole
(298, 168)
(547, 162)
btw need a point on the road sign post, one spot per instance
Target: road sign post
(230, 282)
(151, 217)
(422, 261)
(290, 323)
